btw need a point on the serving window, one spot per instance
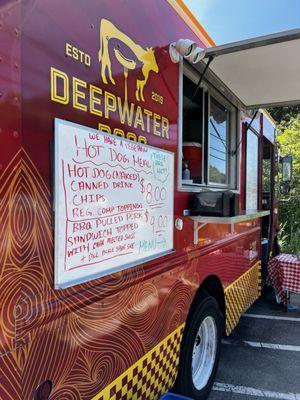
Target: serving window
(251, 170)
(192, 132)
(208, 137)
(218, 143)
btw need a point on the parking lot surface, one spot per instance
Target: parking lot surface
(261, 358)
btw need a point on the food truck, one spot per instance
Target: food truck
(133, 220)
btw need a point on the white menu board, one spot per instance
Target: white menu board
(113, 203)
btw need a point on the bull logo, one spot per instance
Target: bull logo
(145, 56)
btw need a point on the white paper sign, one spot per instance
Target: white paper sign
(113, 203)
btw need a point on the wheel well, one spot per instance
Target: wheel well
(211, 286)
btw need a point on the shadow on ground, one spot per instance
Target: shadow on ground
(261, 358)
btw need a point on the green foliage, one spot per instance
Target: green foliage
(289, 141)
(215, 175)
(266, 174)
(284, 114)
(289, 220)
(288, 137)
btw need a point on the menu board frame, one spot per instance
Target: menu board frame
(62, 279)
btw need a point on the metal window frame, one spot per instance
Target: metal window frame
(234, 160)
(253, 131)
(228, 158)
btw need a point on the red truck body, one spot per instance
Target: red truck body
(93, 339)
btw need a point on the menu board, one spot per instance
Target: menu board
(113, 203)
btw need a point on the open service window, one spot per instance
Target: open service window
(252, 170)
(207, 136)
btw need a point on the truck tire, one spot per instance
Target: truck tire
(200, 351)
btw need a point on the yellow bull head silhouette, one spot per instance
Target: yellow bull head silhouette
(145, 56)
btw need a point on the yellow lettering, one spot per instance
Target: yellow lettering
(110, 103)
(104, 128)
(139, 118)
(59, 98)
(156, 124)
(119, 132)
(165, 127)
(75, 53)
(77, 94)
(68, 49)
(81, 55)
(142, 139)
(124, 113)
(148, 116)
(95, 100)
(87, 60)
(131, 136)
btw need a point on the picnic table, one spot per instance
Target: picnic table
(284, 275)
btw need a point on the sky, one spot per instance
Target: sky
(231, 20)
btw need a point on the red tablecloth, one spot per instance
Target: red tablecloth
(284, 274)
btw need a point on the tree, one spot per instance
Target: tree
(288, 138)
(284, 114)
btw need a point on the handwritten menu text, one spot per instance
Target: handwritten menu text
(114, 202)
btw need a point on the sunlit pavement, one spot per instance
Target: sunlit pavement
(261, 358)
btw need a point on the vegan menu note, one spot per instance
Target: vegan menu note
(113, 203)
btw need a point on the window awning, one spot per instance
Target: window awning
(260, 72)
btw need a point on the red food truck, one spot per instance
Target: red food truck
(133, 219)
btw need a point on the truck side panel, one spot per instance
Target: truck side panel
(87, 337)
(11, 198)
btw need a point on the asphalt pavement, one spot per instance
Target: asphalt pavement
(261, 358)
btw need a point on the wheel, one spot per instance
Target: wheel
(200, 351)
